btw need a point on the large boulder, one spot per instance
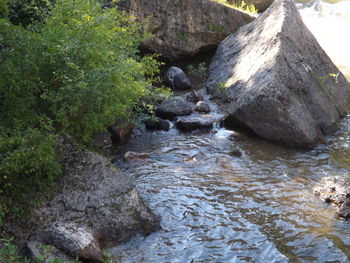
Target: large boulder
(182, 28)
(95, 204)
(273, 78)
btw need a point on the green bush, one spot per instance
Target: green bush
(81, 69)
(28, 156)
(9, 252)
(74, 73)
(25, 12)
(28, 162)
(3, 8)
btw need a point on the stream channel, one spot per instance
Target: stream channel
(226, 196)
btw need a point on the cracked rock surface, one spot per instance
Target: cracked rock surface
(93, 195)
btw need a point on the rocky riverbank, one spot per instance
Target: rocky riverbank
(94, 206)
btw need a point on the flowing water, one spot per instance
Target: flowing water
(225, 196)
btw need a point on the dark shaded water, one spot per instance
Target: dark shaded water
(230, 197)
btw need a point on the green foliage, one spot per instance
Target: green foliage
(45, 257)
(199, 71)
(108, 258)
(75, 73)
(215, 28)
(25, 12)
(81, 69)
(28, 161)
(3, 8)
(182, 36)
(243, 6)
(9, 252)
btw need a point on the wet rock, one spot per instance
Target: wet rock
(36, 250)
(193, 123)
(157, 125)
(273, 78)
(176, 79)
(336, 191)
(201, 106)
(121, 132)
(194, 96)
(130, 156)
(182, 28)
(75, 240)
(261, 5)
(173, 107)
(236, 153)
(94, 195)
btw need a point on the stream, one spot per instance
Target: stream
(226, 196)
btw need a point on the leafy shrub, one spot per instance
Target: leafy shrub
(3, 8)
(240, 5)
(9, 252)
(81, 69)
(199, 71)
(28, 161)
(74, 73)
(25, 12)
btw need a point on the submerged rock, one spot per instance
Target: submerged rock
(336, 191)
(157, 125)
(93, 195)
(201, 106)
(193, 123)
(129, 156)
(173, 107)
(176, 79)
(182, 28)
(273, 78)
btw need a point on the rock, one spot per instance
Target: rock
(261, 5)
(182, 28)
(273, 78)
(129, 156)
(173, 107)
(336, 191)
(236, 153)
(35, 251)
(192, 123)
(75, 240)
(157, 125)
(194, 96)
(121, 132)
(176, 79)
(201, 106)
(94, 195)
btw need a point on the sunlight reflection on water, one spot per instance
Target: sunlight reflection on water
(330, 24)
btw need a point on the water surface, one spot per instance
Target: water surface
(225, 196)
